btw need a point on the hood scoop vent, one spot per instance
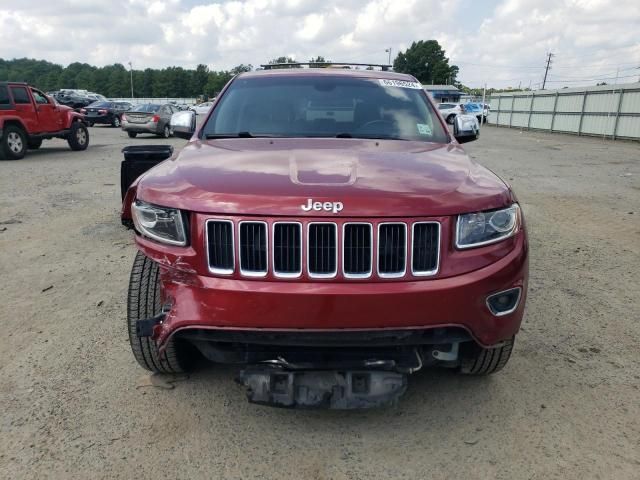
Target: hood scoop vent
(326, 169)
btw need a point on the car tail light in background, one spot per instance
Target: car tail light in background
(155, 119)
(103, 112)
(123, 118)
(83, 110)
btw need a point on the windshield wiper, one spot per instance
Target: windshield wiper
(236, 135)
(368, 137)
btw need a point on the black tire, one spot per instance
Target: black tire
(132, 134)
(450, 119)
(90, 124)
(13, 144)
(116, 121)
(34, 143)
(144, 301)
(78, 138)
(485, 361)
(166, 131)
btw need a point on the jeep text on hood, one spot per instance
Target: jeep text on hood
(324, 229)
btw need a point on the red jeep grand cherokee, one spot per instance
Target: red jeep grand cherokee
(325, 230)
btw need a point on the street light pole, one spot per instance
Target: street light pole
(131, 71)
(388, 50)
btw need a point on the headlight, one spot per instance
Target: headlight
(483, 228)
(162, 224)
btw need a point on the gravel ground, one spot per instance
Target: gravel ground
(76, 405)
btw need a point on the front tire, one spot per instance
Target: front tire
(132, 134)
(78, 138)
(450, 119)
(13, 144)
(144, 301)
(485, 361)
(115, 122)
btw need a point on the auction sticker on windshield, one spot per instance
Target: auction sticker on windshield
(399, 83)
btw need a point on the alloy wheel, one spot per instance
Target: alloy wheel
(14, 141)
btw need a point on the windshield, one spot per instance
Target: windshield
(149, 107)
(314, 106)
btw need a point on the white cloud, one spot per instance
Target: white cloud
(504, 44)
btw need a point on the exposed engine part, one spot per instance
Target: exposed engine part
(322, 389)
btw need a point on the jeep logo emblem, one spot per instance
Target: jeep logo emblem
(335, 207)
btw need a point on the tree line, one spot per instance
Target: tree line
(426, 60)
(115, 80)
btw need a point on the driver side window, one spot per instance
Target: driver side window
(40, 97)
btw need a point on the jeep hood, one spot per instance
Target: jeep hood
(273, 177)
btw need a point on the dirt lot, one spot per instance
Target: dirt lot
(76, 405)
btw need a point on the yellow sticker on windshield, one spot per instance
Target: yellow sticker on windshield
(423, 129)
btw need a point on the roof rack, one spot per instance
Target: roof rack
(272, 66)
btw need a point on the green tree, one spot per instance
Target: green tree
(426, 60)
(283, 60)
(241, 68)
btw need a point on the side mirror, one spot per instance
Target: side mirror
(183, 124)
(466, 128)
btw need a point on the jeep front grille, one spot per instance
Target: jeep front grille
(323, 249)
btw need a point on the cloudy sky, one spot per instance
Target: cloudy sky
(501, 42)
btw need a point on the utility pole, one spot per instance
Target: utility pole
(546, 71)
(388, 50)
(131, 71)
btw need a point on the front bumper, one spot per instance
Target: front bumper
(198, 302)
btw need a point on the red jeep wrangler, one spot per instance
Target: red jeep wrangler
(28, 116)
(325, 230)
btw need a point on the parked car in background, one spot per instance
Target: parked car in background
(202, 108)
(28, 116)
(73, 99)
(449, 111)
(108, 113)
(148, 118)
(477, 110)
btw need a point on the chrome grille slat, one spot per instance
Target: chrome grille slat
(253, 248)
(220, 246)
(322, 250)
(287, 249)
(357, 250)
(426, 248)
(392, 249)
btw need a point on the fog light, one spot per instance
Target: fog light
(504, 303)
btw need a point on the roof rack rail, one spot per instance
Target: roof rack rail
(271, 66)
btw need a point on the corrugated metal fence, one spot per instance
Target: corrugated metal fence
(608, 110)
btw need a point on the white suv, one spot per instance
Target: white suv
(449, 111)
